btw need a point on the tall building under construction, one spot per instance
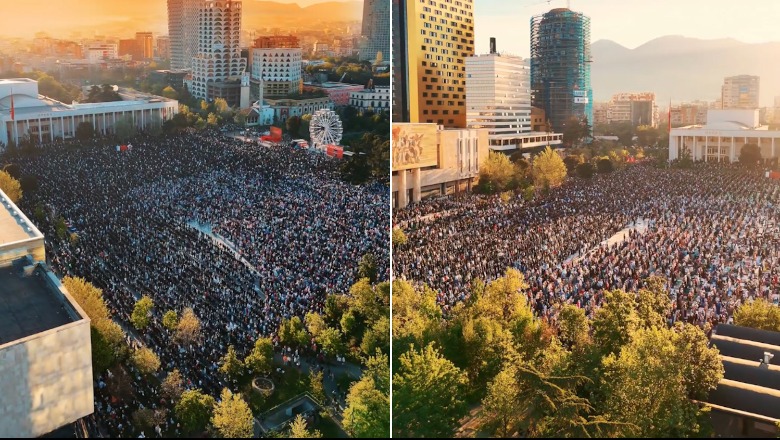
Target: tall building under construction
(560, 66)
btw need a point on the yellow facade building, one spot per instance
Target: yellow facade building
(432, 39)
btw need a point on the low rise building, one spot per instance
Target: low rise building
(287, 107)
(338, 92)
(45, 345)
(429, 160)
(723, 136)
(376, 99)
(26, 113)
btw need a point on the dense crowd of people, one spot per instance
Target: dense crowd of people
(713, 232)
(244, 235)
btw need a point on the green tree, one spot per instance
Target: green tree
(653, 302)
(377, 337)
(146, 361)
(10, 186)
(416, 316)
(428, 398)
(497, 172)
(188, 328)
(170, 320)
(750, 154)
(604, 165)
(571, 161)
(298, 429)
(548, 169)
(399, 237)
(760, 314)
(142, 311)
(170, 93)
(221, 105)
(85, 131)
(647, 135)
(316, 388)
(173, 385)
(584, 170)
(368, 267)
(615, 321)
(702, 368)
(261, 358)
(232, 417)
(331, 341)
(292, 333)
(367, 414)
(231, 366)
(645, 388)
(293, 125)
(500, 412)
(194, 411)
(573, 328)
(315, 324)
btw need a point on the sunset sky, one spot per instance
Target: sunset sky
(61, 18)
(631, 22)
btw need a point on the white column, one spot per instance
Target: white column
(402, 199)
(416, 185)
(719, 153)
(773, 146)
(706, 148)
(51, 129)
(40, 132)
(733, 154)
(695, 154)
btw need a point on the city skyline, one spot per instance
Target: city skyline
(509, 23)
(126, 18)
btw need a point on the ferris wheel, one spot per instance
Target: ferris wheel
(325, 128)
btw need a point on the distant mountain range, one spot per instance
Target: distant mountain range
(152, 15)
(683, 69)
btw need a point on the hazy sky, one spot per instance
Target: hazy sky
(23, 18)
(631, 22)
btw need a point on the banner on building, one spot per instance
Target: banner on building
(581, 93)
(579, 100)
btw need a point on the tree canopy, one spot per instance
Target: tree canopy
(548, 169)
(232, 417)
(10, 186)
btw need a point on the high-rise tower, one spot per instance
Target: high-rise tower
(183, 32)
(431, 41)
(218, 66)
(560, 66)
(376, 30)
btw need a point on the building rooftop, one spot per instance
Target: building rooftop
(27, 305)
(332, 85)
(14, 225)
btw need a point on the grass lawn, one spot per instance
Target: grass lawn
(288, 386)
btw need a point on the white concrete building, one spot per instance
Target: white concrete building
(285, 107)
(740, 91)
(45, 119)
(45, 342)
(722, 137)
(635, 108)
(183, 32)
(217, 67)
(498, 98)
(376, 99)
(96, 53)
(278, 70)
